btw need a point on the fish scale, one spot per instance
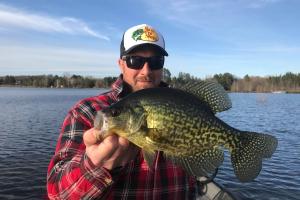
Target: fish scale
(179, 133)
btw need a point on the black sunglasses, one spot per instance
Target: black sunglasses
(137, 62)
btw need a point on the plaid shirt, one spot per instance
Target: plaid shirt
(71, 175)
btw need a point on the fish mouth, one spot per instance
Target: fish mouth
(101, 121)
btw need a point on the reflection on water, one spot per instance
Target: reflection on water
(261, 97)
(31, 119)
(276, 114)
(30, 122)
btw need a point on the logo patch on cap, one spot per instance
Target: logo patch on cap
(145, 34)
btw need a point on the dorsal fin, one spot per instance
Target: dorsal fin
(212, 93)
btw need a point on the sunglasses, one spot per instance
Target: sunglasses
(137, 62)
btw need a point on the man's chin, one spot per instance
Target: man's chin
(144, 85)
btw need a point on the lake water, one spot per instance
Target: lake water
(30, 121)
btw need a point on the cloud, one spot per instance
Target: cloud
(260, 3)
(18, 59)
(203, 13)
(12, 17)
(187, 12)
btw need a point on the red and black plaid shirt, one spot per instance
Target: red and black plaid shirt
(71, 175)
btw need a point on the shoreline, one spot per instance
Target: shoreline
(20, 86)
(268, 92)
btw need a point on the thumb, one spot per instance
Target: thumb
(91, 137)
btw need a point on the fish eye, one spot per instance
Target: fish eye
(115, 112)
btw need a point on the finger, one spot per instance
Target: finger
(99, 135)
(109, 146)
(111, 141)
(90, 137)
(101, 154)
(124, 142)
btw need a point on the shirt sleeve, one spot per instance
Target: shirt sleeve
(71, 174)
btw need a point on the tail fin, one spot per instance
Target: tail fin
(247, 158)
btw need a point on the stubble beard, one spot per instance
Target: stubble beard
(144, 82)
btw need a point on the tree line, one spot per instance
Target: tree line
(289, 82)
(50, 81)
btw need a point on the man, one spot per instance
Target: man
(86, 167)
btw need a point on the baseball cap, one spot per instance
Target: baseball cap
(140, 35)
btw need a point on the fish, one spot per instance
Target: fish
(182, 123)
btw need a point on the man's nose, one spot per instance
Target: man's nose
(146, 69)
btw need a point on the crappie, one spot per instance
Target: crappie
(184, 126)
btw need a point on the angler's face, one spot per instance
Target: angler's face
(145, 77)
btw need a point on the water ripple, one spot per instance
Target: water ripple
(31, 119)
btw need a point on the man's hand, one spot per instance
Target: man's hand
(113, 151)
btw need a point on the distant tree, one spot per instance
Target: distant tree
(76, 81)
(226, 80)
(89, 82)
(9, 80)
(247, 78)
(99, 83)
(166, 75)
(183, 78)
(107, 81)
(288, 81)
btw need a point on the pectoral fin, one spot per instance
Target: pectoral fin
(149, 157)
(137, 122)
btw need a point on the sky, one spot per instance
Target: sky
(203, 37)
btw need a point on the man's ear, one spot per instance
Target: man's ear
(121, 65)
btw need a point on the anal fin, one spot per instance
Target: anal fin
(199, 164)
